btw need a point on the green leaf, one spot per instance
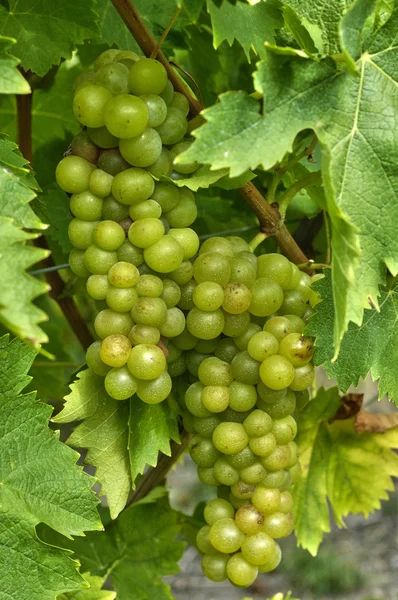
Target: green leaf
(251, 26)
(104, 432)
(339, 107)
(150, 428)
(94, 593)
(204, 177)
(352, 29)
(349, 471)
(372, 347)
(112, 27)
(40, 483)
(53, 208)
(136, 551)
(47, 30)
(11, 80)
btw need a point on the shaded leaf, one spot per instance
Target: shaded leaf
(11, 80)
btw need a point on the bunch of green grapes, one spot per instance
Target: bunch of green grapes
(251, 366)
(130, 231)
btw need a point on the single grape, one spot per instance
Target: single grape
(235, 325)
(147, 76)
(183, 274)
(215, 398)
(218, 509)
(73, 174)
(173, 128)
(127, 58)
(112, 210)
(146, 209)
(270, 396)
(163, 165)
(110, 322)
(146, 232)
(171, 293)
(130, 253)
(157, 109)
(149, 311)
(219, 245)
(226, 536)
(275, 480)
(281, 408)
(204, 453)
(180, 102)
(277, 372)
(205, 426)
(102, 137)
(100, 183)
(225, 474)
(253, 474)
(207, 477)
(284, 430)
(144, 334)
(286, 503)
(214, 566)
(109, 235)
(208, 296)
(257, 424)
(165, 255)
(188, 240)
(266, 500)
(242, 341)
(278, 525)
(242, 396)
(115, 350)
(156, 390)
(112, 162)
(205, 325)
(81, 233)
(76, 263)
(279, 459)
(303, 378)
(273, 562)
(146, 361)
(249, 519)
(121, 299)
(123, 275)
(293, 303)
(258, 548)
(166, 194)
(174, 324)
(245, 369)
(94, 361)
(187, 168)
(276, 267)
(167, 93)
(142, 150)
(89, 104)
(266, 297)
(120, 384)
(226, 349)
(242, 271)
(83, 79)
(242, 459)
(113, 76)
(240, 572)
(263, 445)
(99, 261)
(185, 341)
(193, 361)
(105, 58)
(213, 371)
(230, 438)
(262, 345)
(97, 286)
(132, 186)
(237, 298)
(203, 543)
(149, 286)
(297, 323)
(185, 212)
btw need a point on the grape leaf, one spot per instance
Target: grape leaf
(202, 178)
(361, 187)
(136, 551)
(47, 30)
(112, 27)
(94, 593)
(53, 208)
(104, 432)
(40, 483)
(11, 80)
(349, 471)
(372, 347)
(250, 25)
(150, 428)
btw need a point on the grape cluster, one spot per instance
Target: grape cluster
(130, 231)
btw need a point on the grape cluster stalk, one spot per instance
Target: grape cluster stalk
(227, 324)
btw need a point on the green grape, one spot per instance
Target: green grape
(164, 256)
(203, 543)
(242, 490)
(167, 195)
(212, 267)
(84, 78)
(112, 162)
(230, 438)
(144, 334)
(295, 473)
(249, 519)
(242, 341)
(238, 502)
(188, 240)
(242, 397)
(205, 325)
(266, 297)
(112, 210)
(286, 503)
(76, 263)
(304, 286)
(253, 474)
(258, 548)
(126, 116)
(193, 401)
(203, 453)
(109, 235)
(97, 286)
(147, 76)
(281, 408)
(174, 323)
(239, 245)
(83, 146)
(171, 293)
(248, 255)
(150, 286)
(149, 311)
(242, 459)
(110, 322)
(105, 58)
(123, 275)
(208, 296)
(184, 169)
(146, 232)
(257, 424)
(132, 186)
(277, 372)
(156, 390)
(213, 371)
(127, 58)
(94, 361)
(99, 261)
(100, 185)
(146, 361)
(262, 345)
(242, 271)
(121, 299)
(218, 509)
(180, 102)
(273, 562)
(293, 303)
(115, 350)
(263, 445)
(173, 128)
(167, 93)
(102, 137)
(226, 349)
(225, 474)
(297, 323)
(225, 535)
(130, 253)
(81, 233)
(206, 346)
(278, 525)
(215, 398)
(183, 274)
(114, 76)
(294, 453)
(173, 352)
(235, 416)
(207, 477)
(303, 378)
(296, 276)
(193, 360)
(240, 572)
(278, 459)
(146, 209)
(120, 384)
(235, 325)
(274, 480)
(214, 566)
(163, 165)
(284, 430)
(177, 367)
(270, 396)
(219, 245)
(142, 150)
(236, 298)
(276, 267)
(265, 500)
(245, 369)
(185, 341)
(86, 206)
(89, 104)
(205, 426)
(185, 212)
(157, 109)
(73, 174)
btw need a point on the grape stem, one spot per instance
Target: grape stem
(313, 265)
(311, 179)
(269, 218)
(256, 241)
(165, 32)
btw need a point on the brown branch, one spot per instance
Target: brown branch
(375, 422)
(57, 285)
(270, 221)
